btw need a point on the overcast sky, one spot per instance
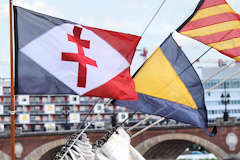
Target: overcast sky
(128, 16)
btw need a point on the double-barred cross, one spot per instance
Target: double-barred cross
(80, 56)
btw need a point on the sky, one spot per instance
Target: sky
(127, 16)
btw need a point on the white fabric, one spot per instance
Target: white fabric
(99, 155)
(76, 155)
(47, 49)
(82, 150)
(135, 155)
(118, 147)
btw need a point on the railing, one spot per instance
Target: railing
(64, 127)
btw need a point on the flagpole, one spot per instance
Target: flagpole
(12, 87)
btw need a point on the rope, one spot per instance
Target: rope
(141, 36)
(75, 140)
(89, 112)
(153, 124)
(149, 23)
(64, 150)
(153, 17)
(210, 77)
(234, 74)
(146, 128)
(148, 117)
(136, 125)
(128, 118)
(196, 60)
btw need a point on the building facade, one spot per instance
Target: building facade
(52, 113)
(226, 95)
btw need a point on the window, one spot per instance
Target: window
(34, 100)
(59, 108)
(37, 127)
(60, 99)
(6, 100)
(60, 118)
(19, 108)
(45, 99)
(234, 83)
(35, 108)
(6, 109)
(6, 90)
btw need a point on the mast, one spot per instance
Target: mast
(12, 87)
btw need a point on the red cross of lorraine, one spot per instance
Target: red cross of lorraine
(80, 56)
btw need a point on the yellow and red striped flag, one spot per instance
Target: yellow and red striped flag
(215, 24)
